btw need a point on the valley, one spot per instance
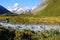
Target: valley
(22, 23)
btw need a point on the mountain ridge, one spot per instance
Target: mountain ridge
(4, 10)
(16, 8)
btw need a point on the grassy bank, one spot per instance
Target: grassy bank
(31, 19)
(10, 34)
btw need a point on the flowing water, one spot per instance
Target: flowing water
(29, 27)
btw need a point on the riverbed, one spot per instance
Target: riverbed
(32, 27)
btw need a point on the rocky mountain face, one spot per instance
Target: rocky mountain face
(4, 10)
(40, 6)
(16, 8)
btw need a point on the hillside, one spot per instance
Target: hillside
(4, 10)
(53, 9)
(40, 6)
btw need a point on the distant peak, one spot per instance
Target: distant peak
(16, 5)
(16, 8)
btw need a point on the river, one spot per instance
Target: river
(29, 27)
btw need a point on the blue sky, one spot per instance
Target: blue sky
(29, 3)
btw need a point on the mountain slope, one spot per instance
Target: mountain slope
(53, 9)
(40, 6)
(4, 10)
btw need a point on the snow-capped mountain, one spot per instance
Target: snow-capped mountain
(16, 8)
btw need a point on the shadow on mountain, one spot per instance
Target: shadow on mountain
(4, 10)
